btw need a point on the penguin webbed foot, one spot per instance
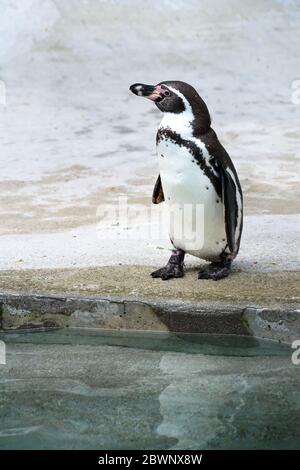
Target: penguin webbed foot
(173, 269)
(216, 271)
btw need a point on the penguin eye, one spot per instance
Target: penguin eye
(167, 93)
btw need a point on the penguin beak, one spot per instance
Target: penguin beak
(151, 92)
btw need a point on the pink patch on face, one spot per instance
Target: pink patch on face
(158, 93)
(152, 97)
(160, 90)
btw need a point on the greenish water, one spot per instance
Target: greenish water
(75, 389)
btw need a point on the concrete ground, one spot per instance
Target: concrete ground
(73, 141)
(76, 261)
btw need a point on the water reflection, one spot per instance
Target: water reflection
(120, 390)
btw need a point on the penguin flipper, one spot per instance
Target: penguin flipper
(158, 194)
(231, 190)
(231, 210)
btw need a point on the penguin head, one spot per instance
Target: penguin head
(176, 97)
(165, 95)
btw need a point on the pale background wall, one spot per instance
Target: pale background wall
(73, 137)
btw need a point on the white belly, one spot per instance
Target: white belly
(196, 222)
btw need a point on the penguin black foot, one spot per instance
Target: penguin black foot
(174, 267)
(216, 271)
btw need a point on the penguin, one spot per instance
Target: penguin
(198, 181)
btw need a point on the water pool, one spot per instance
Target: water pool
(74, 389)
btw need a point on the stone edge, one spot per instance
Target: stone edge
(42, 312)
